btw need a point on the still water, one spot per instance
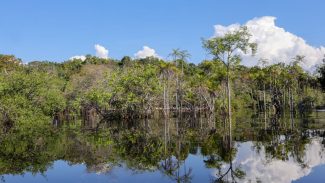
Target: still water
(273, 149)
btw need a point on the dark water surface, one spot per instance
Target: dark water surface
(273, 149)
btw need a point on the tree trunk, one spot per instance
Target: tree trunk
(177, 90)
(165, 104)
(264, 98)
(167, 97)
(229, 103)
(181, 90)
(284, 99)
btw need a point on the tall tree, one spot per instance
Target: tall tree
(166, 70)
(225, 49)
(181, 56)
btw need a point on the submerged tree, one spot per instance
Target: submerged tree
(179, 57)
(226, 49)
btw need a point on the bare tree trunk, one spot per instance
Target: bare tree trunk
(165, 104)
(264, 98)
(177, 90)
(290, 103)
(180, 90)
(291, 100)
(167, 97)
(229, 103)
(259, 101)
(165, 135)
(176, 100)
(252, 98)
(284, 99)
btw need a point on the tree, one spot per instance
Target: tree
(209, 79)
(30, 97)
(8, 63)
(321, 71)
(134, 90)
(225, 49)
(125, 61)
(179, 55)
(166, 70)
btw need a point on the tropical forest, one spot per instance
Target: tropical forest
(150, 118)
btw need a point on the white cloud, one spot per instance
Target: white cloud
(275, 43)
(81, 57)
(146, 52)
(257, 167)
(101, 51)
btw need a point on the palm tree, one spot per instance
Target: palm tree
(166, 69)
(179, 55)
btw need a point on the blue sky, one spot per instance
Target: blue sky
(59, 29)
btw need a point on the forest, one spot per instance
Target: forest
(43, 92)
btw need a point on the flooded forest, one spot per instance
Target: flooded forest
(164, 120)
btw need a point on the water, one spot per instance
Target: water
(276, 149)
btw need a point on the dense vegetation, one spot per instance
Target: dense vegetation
(129, 92)
(41, 92)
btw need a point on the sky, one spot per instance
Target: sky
(57, 30)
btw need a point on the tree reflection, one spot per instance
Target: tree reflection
(231, 174)
(281, 142)
(175, 153)
(162, 145)
(220, 150)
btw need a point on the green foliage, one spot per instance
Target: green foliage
(223, 48)
(9, 63)
(30, 97)
(141, 151)
(40, 91)
(321, 71)
(134, 87)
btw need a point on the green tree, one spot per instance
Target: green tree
(181, 56)
(321, 71)
(225, 49)
(9, 63)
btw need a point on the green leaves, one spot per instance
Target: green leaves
(321, 71)
(136, 86)
(140, 86)
(30, 97)
(225, 48)
(9, 63)
(99, 97)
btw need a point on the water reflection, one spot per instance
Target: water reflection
(186, 149)
(259, 167)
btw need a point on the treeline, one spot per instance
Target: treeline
(97, 88)
(139, 88)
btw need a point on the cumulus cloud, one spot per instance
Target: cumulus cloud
(101, 51)
(81, 57)
(146, 52)
(275, 43)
